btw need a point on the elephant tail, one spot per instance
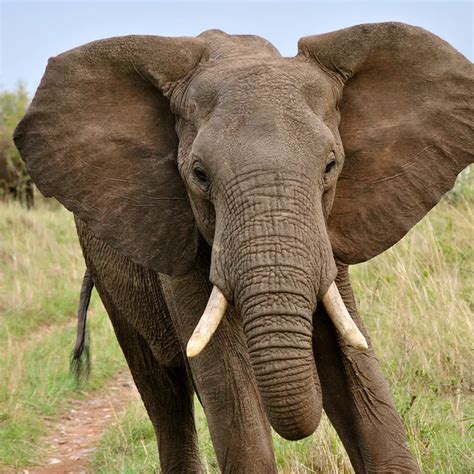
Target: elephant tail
(80, 364)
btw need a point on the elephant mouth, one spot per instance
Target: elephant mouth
(282, 362)
(217, 306)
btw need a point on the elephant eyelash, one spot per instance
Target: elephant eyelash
(200, 175)
(330, 166)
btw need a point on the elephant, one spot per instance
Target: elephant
(220, 193)
(14, 182)
(7, 177)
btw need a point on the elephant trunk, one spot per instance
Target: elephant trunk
(278, 326)
(274, 262)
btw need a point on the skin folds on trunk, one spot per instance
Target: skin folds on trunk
(276, 273)
(217, 305)
(280, 347)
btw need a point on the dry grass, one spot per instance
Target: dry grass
(40, 261)
(41, 270)
(417, 300)
(132, 448)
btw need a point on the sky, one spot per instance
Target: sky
(32, 31)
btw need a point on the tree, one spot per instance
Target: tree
(14, 179)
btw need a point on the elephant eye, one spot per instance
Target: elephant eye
(200, 174)
(331, 164)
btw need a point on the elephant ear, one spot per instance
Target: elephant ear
(99, 136)
(407, 119)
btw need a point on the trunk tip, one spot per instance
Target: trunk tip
(300, 430)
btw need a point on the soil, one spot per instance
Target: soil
(73, 436)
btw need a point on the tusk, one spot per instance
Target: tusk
(208, 323)
(341, 318)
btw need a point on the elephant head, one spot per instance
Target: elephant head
(283, 165)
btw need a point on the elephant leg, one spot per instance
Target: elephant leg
(167, 394)
(133, 298)
(29, 194)
(357, 398)
(224, 381)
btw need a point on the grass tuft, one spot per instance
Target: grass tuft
(41, 272)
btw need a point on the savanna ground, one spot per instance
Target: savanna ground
(417, 300)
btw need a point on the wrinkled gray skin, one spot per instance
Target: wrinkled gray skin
(258, 147)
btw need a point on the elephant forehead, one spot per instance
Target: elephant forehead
(251, 78)
(266, 90)
(275, 137)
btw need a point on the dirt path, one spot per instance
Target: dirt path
(74, 435)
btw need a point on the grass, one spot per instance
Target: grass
(132, 448)
(417, 301)
(41, 271)
(41, 267)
